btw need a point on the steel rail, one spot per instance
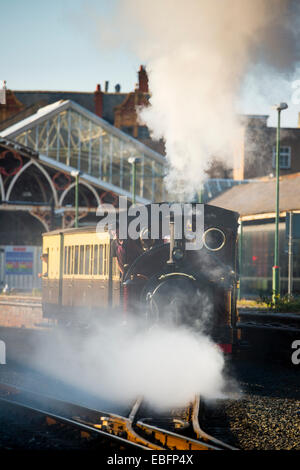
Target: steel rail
(264, 326)
(165, 439)
(171, 440)
(127, 431)
(202, 434)
(157, 438)
(154, 437)
(116, 424)
(10, 395)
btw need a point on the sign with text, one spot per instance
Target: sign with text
(18, 260)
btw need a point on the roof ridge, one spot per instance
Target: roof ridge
(56, 107)
(72, 91)
(52, 91)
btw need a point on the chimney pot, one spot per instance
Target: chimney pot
(143, 80)
(98, 100)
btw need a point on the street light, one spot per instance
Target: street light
(75, 174)
(276, 269)
(133, 161)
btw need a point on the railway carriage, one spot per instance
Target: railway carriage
(80, 275)
(84, 275)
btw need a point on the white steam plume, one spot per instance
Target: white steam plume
(167, 366)
(198, 53)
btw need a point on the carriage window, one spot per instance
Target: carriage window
(87, 259)
(81, 259)
(71, 260)
(68, 259)
(76, 259)
(100, 265)
(65, 259)
(105, 267)
(95, 259)
(91, 259)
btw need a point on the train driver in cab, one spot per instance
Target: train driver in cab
(126, 251)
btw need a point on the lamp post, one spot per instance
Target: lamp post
(133, 161)
(240, 259)
(200, 194)
(276, 269)
(75, 174)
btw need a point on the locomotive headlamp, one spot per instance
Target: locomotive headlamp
(214, 239)
(178, 254)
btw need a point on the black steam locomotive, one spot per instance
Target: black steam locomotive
(158, 278)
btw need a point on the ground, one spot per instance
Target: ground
(266, 415)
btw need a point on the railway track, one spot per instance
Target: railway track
(176, 430)
(272, 321)
(71, 416)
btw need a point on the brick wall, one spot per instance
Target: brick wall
(21, 313)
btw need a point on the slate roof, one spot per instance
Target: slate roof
(110, 101)
(84, 99)
(212, 187)
(259, 197)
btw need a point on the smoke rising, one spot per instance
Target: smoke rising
(166, 365)
(199, 55)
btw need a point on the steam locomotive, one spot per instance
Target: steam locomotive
(87, 273)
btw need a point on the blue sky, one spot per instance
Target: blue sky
(51, 46)
(55, 46)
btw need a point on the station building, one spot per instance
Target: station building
(38, 156)
(46, 135)
(255, 202)
(255, 149)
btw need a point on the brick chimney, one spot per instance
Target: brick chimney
(143, 80)
(98, 99)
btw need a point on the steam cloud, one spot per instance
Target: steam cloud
(167, 366)
(200, 55)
